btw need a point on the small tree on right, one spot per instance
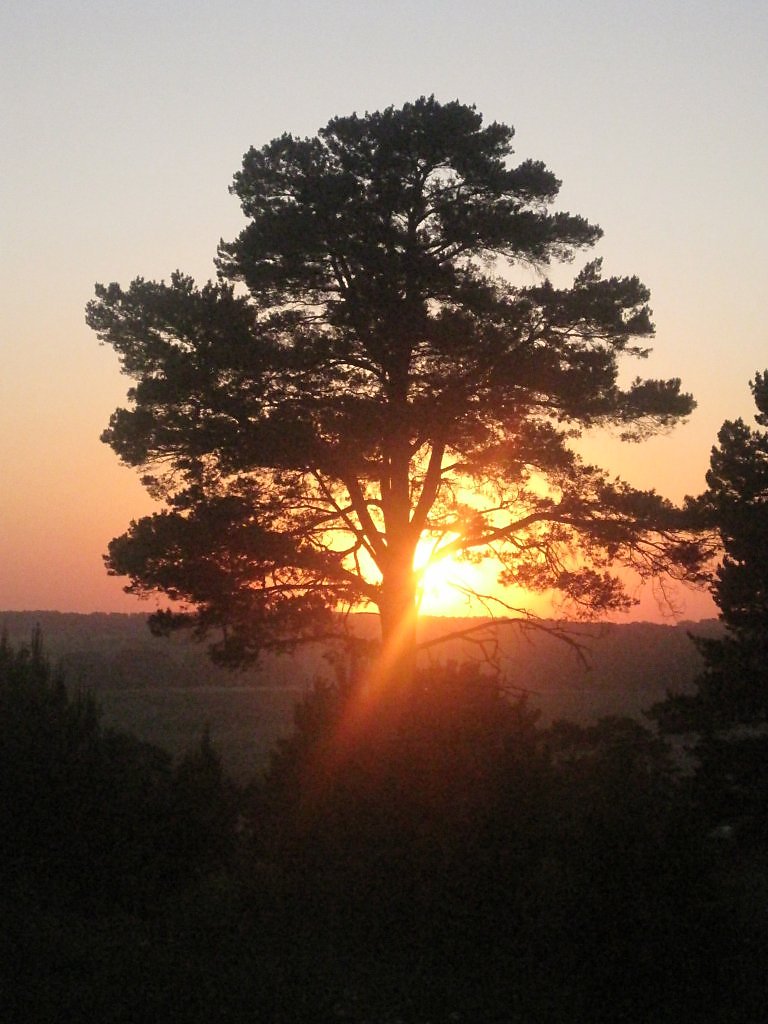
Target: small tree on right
(729, 710)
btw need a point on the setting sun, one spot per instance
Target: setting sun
(458, 587)
(447, 583)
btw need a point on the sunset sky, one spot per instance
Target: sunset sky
(123, 123)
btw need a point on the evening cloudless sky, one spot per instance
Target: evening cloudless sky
(123, 123)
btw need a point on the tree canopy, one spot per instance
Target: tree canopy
(381, 360)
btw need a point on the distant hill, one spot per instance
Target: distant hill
(166, 690)
(114, 650)
(625, 668)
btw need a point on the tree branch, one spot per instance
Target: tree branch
(429, 488)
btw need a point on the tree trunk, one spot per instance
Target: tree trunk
(398, 621)
(397, 607)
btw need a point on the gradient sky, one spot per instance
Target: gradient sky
(123, 123)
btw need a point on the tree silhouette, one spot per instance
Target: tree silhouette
(736, 678)
(733, 688)
(729, 708)
(381, 361)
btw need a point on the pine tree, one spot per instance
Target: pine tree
(367, 373)
(729, 709)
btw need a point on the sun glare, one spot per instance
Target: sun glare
(447, 584)
(454, 587)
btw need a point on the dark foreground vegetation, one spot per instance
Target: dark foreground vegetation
(458, 862)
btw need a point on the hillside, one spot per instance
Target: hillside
(625, 666)
(166, 690)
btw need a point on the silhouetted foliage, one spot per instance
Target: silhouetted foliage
(474, 863)
(93, 817)
(465, 864)
(205, 808)
(113, 862)
(362, 377)
(729, 710)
